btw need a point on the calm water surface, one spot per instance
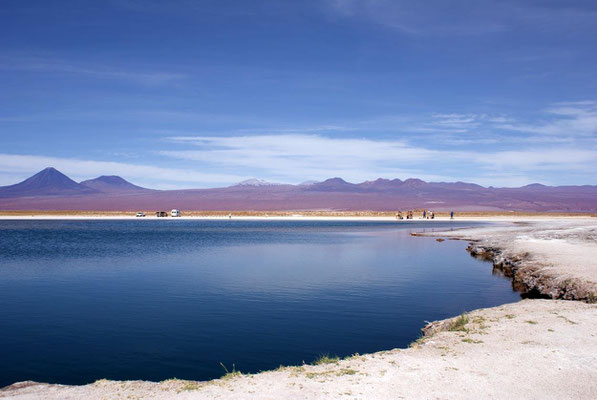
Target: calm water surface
(84, 300)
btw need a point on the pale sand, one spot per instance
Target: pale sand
(532, 349)
(559, 250)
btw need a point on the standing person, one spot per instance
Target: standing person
(424, 214)
(451, 214)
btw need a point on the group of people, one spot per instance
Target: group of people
(426, 215)
(409, 215)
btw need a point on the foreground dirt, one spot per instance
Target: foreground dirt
(532, 349)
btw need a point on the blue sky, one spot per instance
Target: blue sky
(183, 93)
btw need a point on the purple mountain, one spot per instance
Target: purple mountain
(112, 184)
(333, 185)
(51, 190)
(48, 182)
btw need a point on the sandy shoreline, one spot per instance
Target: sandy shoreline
(529, 349)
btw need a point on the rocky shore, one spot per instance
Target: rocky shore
(533, 349)
(554, 259)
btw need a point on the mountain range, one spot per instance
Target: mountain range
(51, 190)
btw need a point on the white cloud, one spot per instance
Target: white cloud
(571, 159)
(565, 119)
(558, 146)
(294, 158)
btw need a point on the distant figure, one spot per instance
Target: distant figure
(424, 214)
(229, 216)
(451, 214)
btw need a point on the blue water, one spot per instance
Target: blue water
(156, 299)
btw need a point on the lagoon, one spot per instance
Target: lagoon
(156, 299)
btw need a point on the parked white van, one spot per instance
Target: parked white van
(175, 213)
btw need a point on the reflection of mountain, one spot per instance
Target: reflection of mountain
(50, 189)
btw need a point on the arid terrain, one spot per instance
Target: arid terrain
(51, 190)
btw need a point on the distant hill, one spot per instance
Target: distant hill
(257, 182)
(333, 185)
(52, 190)
(112, 184)
(48, 182)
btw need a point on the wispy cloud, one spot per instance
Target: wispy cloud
(477, 147)
(437, 17)
(296, 157)
(544, 159)
(53, 65)
(500, 150)
(423, 18)
(563, 119)
(293, 158)
(572, 123)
